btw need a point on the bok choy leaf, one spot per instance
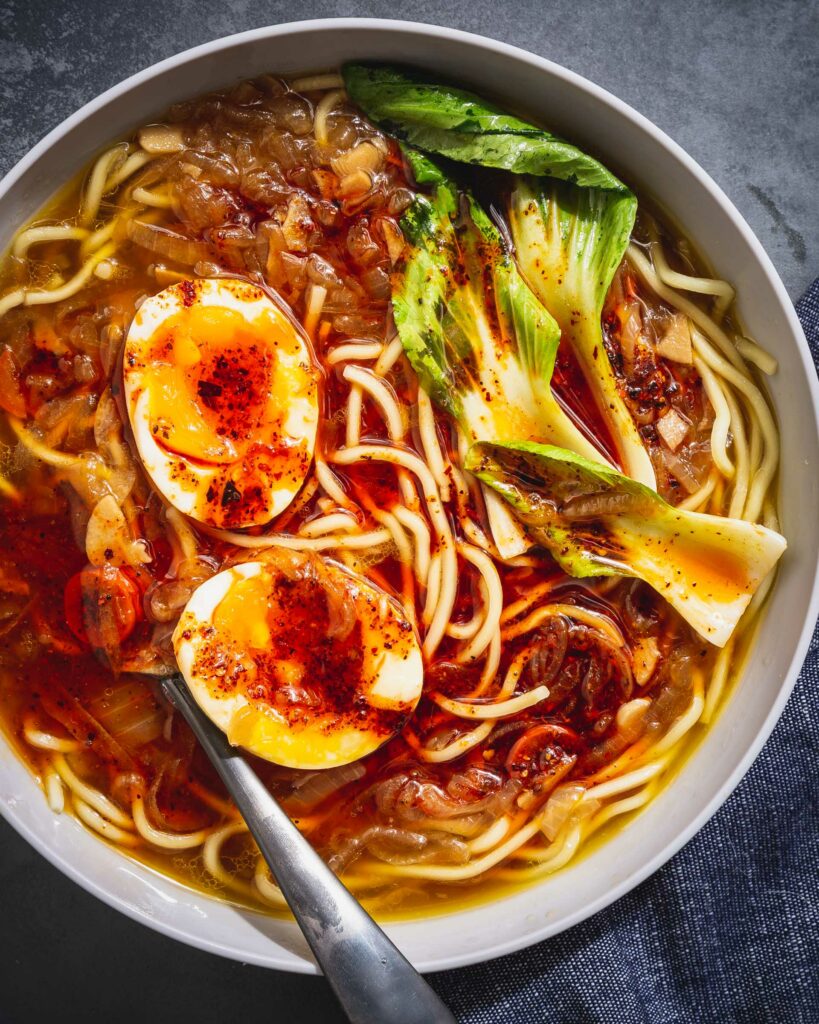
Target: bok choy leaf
(569, 242)
(597, 522)
(481, 343)
(461, 126)
(570, 234)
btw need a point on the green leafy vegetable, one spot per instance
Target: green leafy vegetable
(597, 522)
(570, 234)
(461, 126)
(569, 242)
(424, 170)
(481, 343)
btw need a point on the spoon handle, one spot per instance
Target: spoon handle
(372, 980)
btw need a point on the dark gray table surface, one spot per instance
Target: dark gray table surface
(735, 83)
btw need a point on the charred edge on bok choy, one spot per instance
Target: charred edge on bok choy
(461, 126)
(597, 522)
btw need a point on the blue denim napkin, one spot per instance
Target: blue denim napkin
(727, 931)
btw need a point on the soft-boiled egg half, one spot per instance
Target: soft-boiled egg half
(298, 660)
(222, 394)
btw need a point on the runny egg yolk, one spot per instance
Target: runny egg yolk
(211, 394)
(299, 661)
(222, 395)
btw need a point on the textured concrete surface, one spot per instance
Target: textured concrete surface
(735, 83)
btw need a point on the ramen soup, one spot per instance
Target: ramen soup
(429, 455)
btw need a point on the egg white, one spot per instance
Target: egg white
(395, 681)
(301, 404)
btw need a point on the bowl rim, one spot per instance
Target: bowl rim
(659, 138)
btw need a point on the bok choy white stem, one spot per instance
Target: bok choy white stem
(597, 522)
(569, 241)
(481, 343)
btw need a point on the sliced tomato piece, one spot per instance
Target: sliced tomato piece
(102, 605)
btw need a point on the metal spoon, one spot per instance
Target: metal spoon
(372, 980)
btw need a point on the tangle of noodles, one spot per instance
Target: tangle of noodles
(552, 707)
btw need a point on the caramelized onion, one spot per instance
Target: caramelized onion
(191, 817)
(376, 283)
(393, 238)
(167, 243)
(298, 227)
(168, 599)
(474, 782)
(412, 799)
(130, 712)
(679, 468)
(313, 787)
(60, 415)
(361, 245)
(550, 651)
(640, 609)
(219, 169)
(558, 808)
(675, 692)
(398, 846)
(363, 157)
(68, 710)
(319, 271)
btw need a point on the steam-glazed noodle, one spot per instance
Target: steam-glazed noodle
(552, 706)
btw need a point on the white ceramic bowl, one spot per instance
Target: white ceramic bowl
(643, 155)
